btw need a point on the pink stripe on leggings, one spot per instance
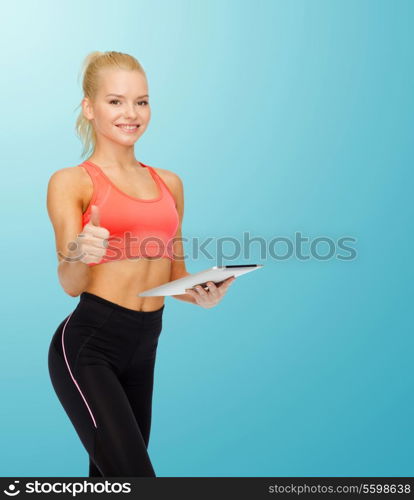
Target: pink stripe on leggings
(73, 378)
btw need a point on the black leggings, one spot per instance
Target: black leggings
(101, 362)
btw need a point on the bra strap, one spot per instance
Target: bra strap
(162, 181)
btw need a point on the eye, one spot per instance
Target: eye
(140, 102)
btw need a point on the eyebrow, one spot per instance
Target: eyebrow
(120, 95)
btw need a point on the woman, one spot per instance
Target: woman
(117, 226)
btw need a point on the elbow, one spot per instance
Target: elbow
(71, 292)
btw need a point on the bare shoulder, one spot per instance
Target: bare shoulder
(73, 183)
(71, 175)
(175, 185)
(75, 179)
(172, 179)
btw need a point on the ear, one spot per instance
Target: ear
(87, 109)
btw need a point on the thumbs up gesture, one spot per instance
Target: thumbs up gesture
(92, 241)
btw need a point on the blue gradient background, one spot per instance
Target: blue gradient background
(280, 117)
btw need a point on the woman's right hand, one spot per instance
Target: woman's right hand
(92, 241)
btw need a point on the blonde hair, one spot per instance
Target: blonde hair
(91, 67)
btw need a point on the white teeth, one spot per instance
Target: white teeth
(128, 127)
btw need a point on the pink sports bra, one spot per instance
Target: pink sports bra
(137, 227)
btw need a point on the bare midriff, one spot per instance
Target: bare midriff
(120, 281)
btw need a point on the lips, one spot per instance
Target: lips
(128, 129)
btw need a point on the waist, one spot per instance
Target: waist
(123, 280)
(132, 313)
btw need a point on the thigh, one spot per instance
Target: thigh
(138, 384)
(68, 341)
(119, 448)
(138, 376)
(70, 398)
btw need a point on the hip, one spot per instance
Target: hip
(99, 331)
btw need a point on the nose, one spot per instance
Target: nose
(131, 112)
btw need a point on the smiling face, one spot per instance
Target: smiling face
(122, 99)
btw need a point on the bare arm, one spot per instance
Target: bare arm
(64, 205)
(179, 270)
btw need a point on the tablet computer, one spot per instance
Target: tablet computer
(215, 274)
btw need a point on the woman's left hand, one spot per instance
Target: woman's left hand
(214, 294)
